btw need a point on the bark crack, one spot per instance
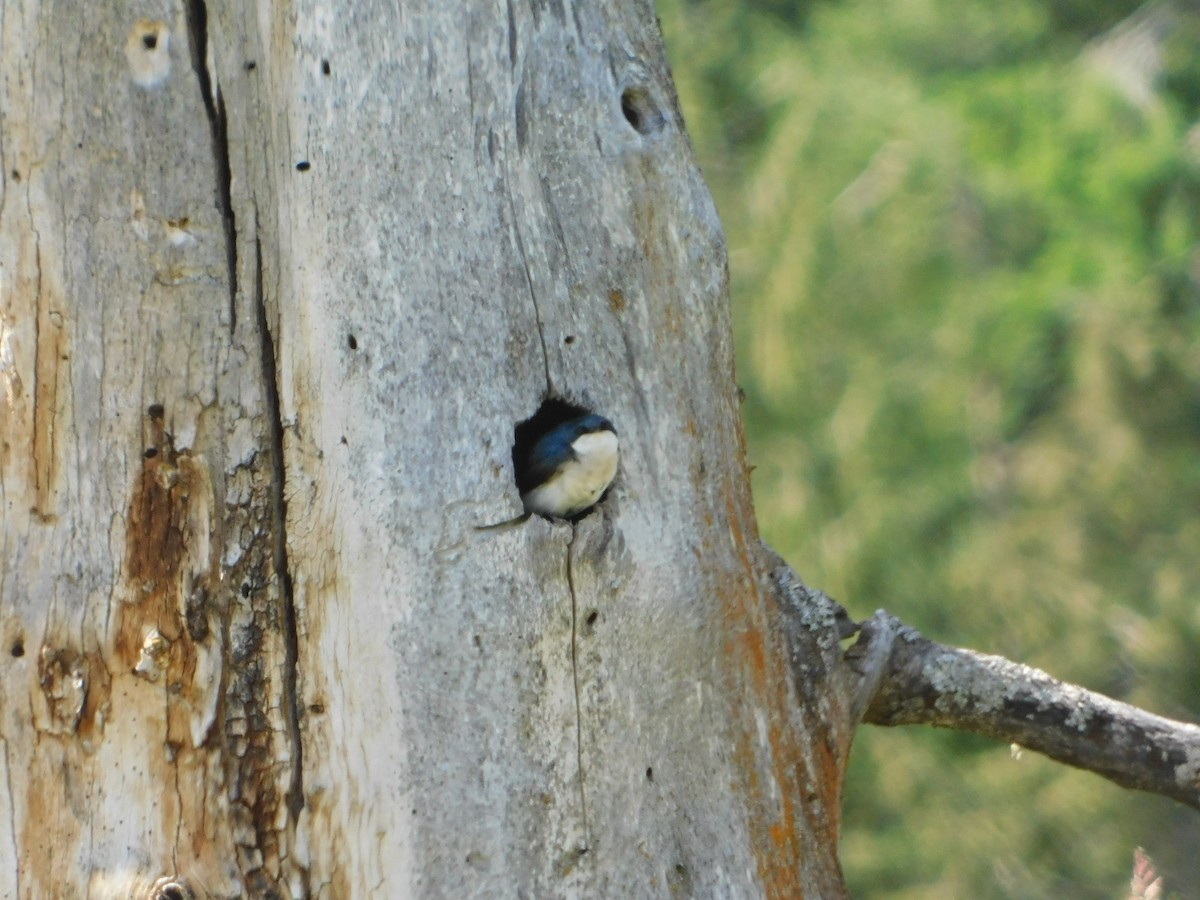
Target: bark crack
(575, 682)
(178, 818)
(37, 348)
(291, 648)
(196, 12)
(537, 313)
(12, 815)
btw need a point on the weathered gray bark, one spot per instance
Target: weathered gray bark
(278, 281)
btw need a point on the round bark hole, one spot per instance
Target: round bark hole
(641, 112)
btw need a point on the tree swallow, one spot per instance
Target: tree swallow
(569, 467)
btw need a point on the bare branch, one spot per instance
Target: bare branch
(922, 682)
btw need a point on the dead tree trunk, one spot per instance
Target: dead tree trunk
(278, 282)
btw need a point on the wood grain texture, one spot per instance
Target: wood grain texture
(271, 309)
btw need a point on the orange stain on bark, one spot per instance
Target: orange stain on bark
(158, 534)
(49, 375)
(773, 819)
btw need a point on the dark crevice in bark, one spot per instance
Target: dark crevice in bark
(587, 838)
(197, 23)
(291, 707)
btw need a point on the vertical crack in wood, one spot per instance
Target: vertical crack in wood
(512, 37)
(12, 817)
(295, 793)
(38, 452)
(587, 840)
(179, 814)
(46, 353)
(537, 313)
(196, 12)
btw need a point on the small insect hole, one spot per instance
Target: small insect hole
(569, 339)
(155, 411)
(150, 40)
(325, 70)
(353, 342)
(303, 165)
(251, 65)
(151, 452)
(649, 773)
(18, 648)
(16, 176)
(245, 589)
(641, 111)
(592, 617)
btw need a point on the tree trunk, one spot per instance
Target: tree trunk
(278, 281)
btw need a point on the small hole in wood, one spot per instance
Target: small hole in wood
(649, 773)
(251, 65)
(150, 40)
(641, 111)
(18, 648)
(325, 70)
(151, 452)
(16, 176)
(569, 339)
(303, 165)
(592, 617)
(155, 411)
(353, 342)
(245, 589)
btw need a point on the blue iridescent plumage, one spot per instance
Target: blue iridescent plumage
(569, 467)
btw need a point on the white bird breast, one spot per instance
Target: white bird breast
(581, 481)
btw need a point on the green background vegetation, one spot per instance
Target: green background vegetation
(966, 283)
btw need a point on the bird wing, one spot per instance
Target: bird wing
(545, 460)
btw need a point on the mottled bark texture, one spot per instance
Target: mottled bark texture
(912, 680)
(278, 281)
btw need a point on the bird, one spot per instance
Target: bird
(569, 468)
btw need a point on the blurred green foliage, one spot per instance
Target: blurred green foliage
(965, 252)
